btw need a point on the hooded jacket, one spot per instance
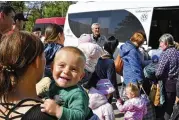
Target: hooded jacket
(92, 52)
(100, 106)
(132, 67)
(50, 50)
(134, 108)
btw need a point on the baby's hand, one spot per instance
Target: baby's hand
(51, 107)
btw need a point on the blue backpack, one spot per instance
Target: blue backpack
(149, 71)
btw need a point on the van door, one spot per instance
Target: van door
(164, 20)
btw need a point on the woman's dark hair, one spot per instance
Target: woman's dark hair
(110, 45)
(6, 9)
(36, 29)
(17, 51)
(52, 32)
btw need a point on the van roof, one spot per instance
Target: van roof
(121, 4)
(55, 20)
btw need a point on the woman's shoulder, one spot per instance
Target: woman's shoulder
(35, 114)
(105, 61)
(26, 109)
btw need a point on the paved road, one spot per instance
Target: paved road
(118, 116)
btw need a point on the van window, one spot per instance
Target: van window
(119, 23)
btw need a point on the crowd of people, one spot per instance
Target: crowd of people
(82, 81)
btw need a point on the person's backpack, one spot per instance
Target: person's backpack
(119, 65)
(149, 71)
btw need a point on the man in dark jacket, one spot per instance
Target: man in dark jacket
(19, 20)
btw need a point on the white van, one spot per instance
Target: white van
(122, 18)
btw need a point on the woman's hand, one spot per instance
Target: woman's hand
(52, 108)
(176, 100)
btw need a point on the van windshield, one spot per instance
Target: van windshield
(119, 23)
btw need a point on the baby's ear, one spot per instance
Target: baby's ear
(82, 75)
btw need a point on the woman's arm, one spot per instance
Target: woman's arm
(163, 61)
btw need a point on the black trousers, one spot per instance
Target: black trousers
(166, 110)
(147, 85)
(177, 89)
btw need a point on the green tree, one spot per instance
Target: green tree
(19, 6)
(34, 11)
(56, 9)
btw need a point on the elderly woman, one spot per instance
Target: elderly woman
(22, 63)
(131, 56)
(168, 71)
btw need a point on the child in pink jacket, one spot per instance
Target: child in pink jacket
(98, 99)
(92, 53)
(91, 50)
(135, 107)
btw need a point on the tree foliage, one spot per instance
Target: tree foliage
(57, 8)
(19, 6)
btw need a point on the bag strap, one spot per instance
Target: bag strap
(141, 88)
(106, 57)
(21, 102)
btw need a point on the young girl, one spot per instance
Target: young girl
(135, 108)
(98, 99)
